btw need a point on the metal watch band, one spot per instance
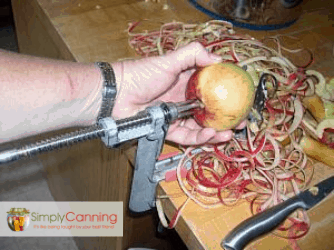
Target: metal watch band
(109, 90)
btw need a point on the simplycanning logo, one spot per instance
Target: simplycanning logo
(18, 219)
(60, 219)
(73, 217)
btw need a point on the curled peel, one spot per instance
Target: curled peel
(315, 105)
(328, 123)
(317, 150)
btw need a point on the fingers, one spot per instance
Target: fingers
(187, 136)
(241, 125)
(221, 137)
(190, 133)
(193, 54)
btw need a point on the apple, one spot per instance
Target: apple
(227, 93)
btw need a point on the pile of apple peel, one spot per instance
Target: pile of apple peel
(219, 37)
(269, 164)
(318, 143)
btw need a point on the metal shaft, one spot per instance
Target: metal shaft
(187, 108)
(57, 142)
(141, 119)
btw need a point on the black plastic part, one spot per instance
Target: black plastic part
(268, 220)
(260, 224)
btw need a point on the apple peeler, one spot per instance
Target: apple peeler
(149, 126)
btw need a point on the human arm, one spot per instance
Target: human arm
(41, 95)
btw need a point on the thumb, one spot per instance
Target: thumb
(191, 55)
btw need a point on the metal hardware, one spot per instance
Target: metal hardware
(149, 127)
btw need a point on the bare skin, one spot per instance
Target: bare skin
(40, 95)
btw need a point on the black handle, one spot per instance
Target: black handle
(260, 224)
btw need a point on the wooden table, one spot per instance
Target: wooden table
(205, 228)
(95, 30)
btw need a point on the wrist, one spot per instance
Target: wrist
(125, 104)
(119, 100)
(118, 71)
(94, 102)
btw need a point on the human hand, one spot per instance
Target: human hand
(149, 80)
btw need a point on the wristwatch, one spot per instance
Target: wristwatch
(109, 90)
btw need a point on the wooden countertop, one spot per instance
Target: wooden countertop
(96, 30)
(205, 228)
